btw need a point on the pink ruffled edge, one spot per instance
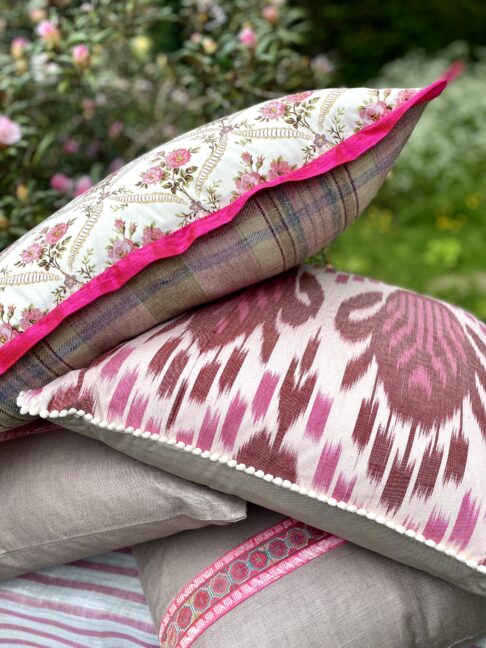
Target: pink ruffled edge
(179, 241)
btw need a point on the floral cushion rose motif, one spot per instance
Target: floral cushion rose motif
(176, 184)
(369, 394)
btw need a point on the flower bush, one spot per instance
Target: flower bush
(86, 86)
(432, 210)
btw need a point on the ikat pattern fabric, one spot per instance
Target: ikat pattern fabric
(365, 395)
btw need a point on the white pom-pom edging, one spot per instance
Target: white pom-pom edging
(250, 470)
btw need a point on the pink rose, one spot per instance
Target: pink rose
(151, 233)
(49, 33)
(30, 316)
(248, 37)
(10, 132)
(54, 234)
(372, 112)
(116, 164)
(17, 47)
(61, 183)
(7, 333)
(270, 13)
(120, 249)
(153, 175)
(248, 181)
(82, 184)
(116, 129)
(299, 96)
(246, 158)
(32, 253)
(80, 54)
(177, 158)
(273, 110)
(70, 146)
(278, 168)
(403, 96)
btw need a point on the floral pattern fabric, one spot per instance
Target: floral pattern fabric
(177, 183)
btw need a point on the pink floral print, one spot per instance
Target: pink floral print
(153, 175)
(273, 110)
(55, 234)
(178, 158)
(184, 180)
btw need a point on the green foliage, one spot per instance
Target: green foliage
(147, 70)
(427, 227)
(364, 36)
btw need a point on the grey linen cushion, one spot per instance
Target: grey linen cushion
(64, 497)
(339, 595)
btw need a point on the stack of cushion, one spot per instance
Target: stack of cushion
(166, 314)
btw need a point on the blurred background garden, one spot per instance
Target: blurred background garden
(88, 86)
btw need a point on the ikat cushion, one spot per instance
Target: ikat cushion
(65, 497)
(271, 581)
(283, 178)
(346, 403)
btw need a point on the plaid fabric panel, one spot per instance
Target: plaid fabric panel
(276, 230)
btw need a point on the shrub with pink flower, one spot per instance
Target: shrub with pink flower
(151, 233)
(273, 110)
(54, 234)
(153, 175)
(30, 316)
(49, 32)
(115, 129)
(177, 158)
(249, 181)
(61, 183)
(31, 254)
(10, 132)
(17, 47)
(82, 184)
(248, 37)
(279, 167)
(116, 165)
(372, 112)
(71, 146)
(120, 249)
(80, 54)
(270, 13)
(7, 333)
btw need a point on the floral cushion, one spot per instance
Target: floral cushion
(158, 205)
(348, 404)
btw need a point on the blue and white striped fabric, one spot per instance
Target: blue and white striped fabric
(95, 603)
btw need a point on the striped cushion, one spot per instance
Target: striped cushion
(276, 226)
(93, 603)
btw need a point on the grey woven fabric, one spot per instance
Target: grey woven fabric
(65, 497)
(346, 598)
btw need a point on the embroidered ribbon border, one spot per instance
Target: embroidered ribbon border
(240, 573)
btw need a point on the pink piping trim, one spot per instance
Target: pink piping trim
(253, 586)
(179, 241)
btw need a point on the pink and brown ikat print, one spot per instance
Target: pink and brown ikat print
(362, 394)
